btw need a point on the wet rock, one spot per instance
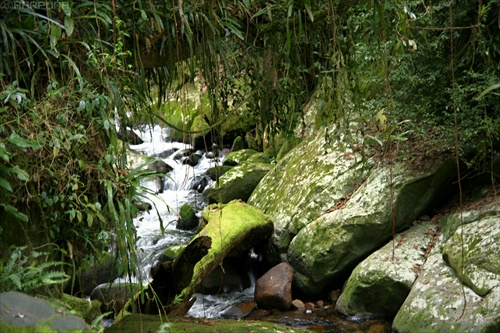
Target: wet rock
(229, 229)
(183, 153)
(160, 167)
(216, 172)
(23, 313)
(113, 296)
(225, 279)
(239, 310)
(192, 160)
(273, 290)
(187, 218)
(165, 154)
(238, 183)
(238, 144)
(380, 283)
(199, 183)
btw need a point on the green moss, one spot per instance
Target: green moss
(83, 308)
(216, 172)
(171, 252)
(148, 323)
(238, 157)
(238, 183)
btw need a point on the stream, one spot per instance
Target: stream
(180, 187)
(183, 186)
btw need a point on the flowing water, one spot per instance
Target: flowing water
(180, 187)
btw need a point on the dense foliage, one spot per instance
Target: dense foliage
(75, 74)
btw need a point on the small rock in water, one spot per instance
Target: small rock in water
(297, 303)
(309, 307)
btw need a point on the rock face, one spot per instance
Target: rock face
(239, 182)
(332, 207)
(273, 290)
(379, 285)
(479, 266)
(309, 180)
(23, 313)
(438, 301)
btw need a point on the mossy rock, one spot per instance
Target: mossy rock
(90, 275)
(477, 245)
(171, 252)
(187, 218)
(217, 171)
(238, 183)
(21, 313)
(238, 157)
(238, 144)
(83, 308)
(150, 323)
(259, 158)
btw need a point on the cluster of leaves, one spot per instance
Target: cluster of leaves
(65, 90)
(26, 271)
(425, 67)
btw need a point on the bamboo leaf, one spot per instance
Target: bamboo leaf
(5, 184)
(69, 24)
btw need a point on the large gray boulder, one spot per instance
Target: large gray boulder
(439, 301)
(330, 246)
(333, 206)
(379, 285)
(22, 313)
(310, 179)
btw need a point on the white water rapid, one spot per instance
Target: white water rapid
(176, 192)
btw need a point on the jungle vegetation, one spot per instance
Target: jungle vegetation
(75, 74)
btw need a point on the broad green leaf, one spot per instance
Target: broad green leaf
(21, 174)
(14, 212)
(14, 138)
(5, 184)
(69, 24)
(307, 5)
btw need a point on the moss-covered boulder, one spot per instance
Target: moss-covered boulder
(238, 183)
(438, 302)
(89, 311)
(233, 228)
(309, 180)
(380, 283)
(238, 144)
(238, 157)
(92, 274)
(217, 171)
(474, 254)
(187, 218)
(329, 247)
(21, 313)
